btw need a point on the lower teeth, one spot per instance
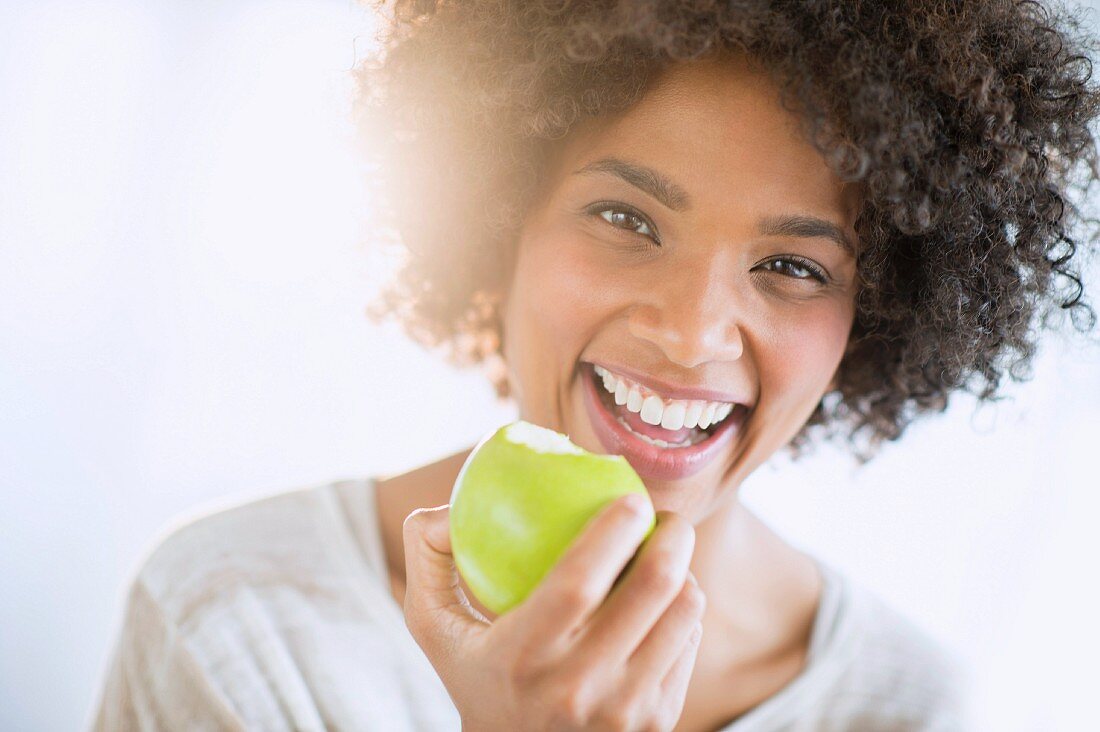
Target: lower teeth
(694, 438)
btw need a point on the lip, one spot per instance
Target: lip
(673, 391)
(650, 461)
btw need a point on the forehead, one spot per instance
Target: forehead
(716, 127)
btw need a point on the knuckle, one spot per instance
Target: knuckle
(618, 718)
(524, 672)
(658, 575)
(627, 510)
(578, 596)
(683, 529)
(693, 599)
(571, 709)
(626, 515)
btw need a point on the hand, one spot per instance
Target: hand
(592, 647)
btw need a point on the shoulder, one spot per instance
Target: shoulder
(234, 611)
(897, 673)
(285, 539)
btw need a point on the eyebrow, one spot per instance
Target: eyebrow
(660, 187)
(806, 227)
(649, 180)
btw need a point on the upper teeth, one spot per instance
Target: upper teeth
(672, 414)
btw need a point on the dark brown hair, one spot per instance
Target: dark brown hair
(966, 122)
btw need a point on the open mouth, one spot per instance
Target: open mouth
(664, 423)
(662, 439)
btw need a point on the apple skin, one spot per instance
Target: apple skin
(515, 510)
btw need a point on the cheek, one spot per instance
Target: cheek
(800, 354)
(559, 296)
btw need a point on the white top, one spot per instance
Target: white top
(277, 615)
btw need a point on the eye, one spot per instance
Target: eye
(625, 217)
(799, 269)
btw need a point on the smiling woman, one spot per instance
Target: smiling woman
(670, 230)
(963, 128)
(667, 250)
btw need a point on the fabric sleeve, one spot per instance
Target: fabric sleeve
(154, 682)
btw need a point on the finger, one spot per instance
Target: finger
(656, 655)
(579, 581)
(436, 611)
(647, 590)
(674, 686)
(640, 688)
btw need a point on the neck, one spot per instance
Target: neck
(759, 589)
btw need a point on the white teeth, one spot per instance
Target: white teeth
(707, 417)
(671, 414)
(691, 417)
(621, 390)
(652, 408)
(673, 418)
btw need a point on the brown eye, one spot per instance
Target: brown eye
(796, 268)
(626, 219)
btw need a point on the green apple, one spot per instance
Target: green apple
(521, 498)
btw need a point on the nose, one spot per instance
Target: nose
(692, 320)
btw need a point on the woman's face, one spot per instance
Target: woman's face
(693, 242)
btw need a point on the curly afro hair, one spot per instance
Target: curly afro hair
(967, 124)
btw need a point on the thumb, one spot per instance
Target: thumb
(435, 607)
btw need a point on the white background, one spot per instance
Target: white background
(182, 287)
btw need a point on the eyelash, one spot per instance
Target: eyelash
(598, 209)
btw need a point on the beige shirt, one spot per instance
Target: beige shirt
(277, 615)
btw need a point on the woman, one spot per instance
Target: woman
(692, 233)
